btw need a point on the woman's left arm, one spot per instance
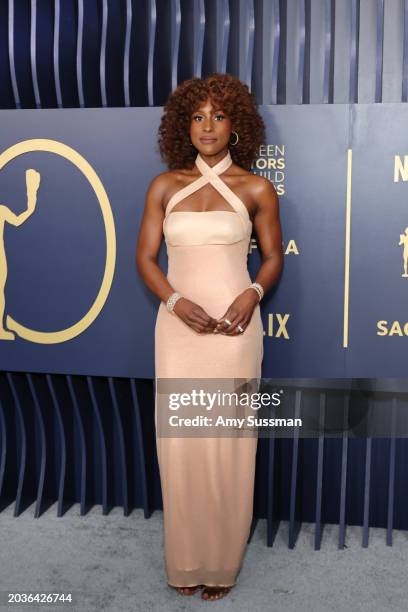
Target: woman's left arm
(267, 227)
(269, 233)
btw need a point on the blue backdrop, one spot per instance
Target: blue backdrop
(73, 295)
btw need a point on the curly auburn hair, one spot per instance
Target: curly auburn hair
(225, 92)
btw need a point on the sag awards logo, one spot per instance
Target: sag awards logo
(398, 328)
(33, 182)
(404, 243)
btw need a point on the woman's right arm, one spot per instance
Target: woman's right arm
(149, 241)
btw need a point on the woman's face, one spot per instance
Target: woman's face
(210, 129)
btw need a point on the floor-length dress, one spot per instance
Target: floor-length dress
(207, 483)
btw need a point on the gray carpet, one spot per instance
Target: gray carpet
(115, 563)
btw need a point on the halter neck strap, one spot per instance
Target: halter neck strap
(211, 175)
(219, 168)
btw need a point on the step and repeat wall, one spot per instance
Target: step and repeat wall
(72, 191)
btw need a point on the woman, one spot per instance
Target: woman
(208, 323)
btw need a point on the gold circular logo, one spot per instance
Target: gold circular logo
(58, 148)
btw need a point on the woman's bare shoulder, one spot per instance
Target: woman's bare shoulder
(259, 184)
(254, 183)
(159, 185)
(163, 185)
(169, 178)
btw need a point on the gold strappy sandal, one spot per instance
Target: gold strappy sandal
(213, 593)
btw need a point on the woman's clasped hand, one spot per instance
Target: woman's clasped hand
(237, 315)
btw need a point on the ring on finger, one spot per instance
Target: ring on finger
(228, 321)
(241, 329)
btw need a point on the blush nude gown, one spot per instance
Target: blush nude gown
(207, 482)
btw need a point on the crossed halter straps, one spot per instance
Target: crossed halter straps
(210, 175)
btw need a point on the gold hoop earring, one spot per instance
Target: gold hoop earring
(236, 142)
